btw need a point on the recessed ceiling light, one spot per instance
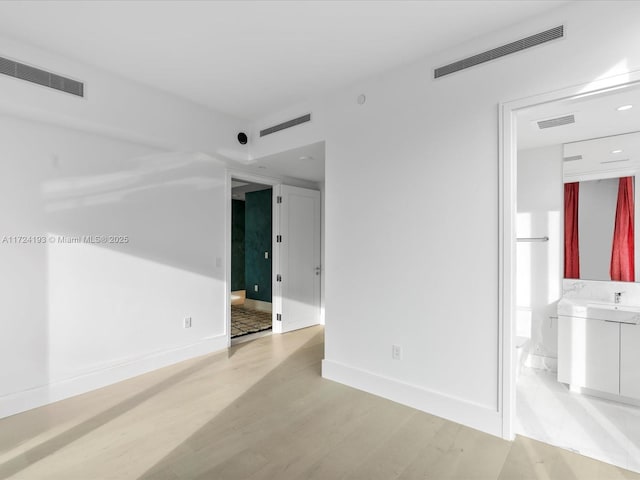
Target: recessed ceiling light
(305, 157)
(624, 107)
(616, 151)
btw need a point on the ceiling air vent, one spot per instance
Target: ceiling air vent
(556, 122)
(572, 158)
(518, 45)
(41, 77)
(282, 126)
(615, 161)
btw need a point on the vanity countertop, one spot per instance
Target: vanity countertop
(599, 310)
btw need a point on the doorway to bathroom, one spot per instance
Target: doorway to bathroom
(573, 378)
(251, 259)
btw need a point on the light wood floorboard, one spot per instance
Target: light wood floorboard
(262, 411)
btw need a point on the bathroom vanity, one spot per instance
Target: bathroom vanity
(599, 313)
(599, 348)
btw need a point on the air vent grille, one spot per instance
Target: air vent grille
(518, 45)
(615, 161)
(288, 124)
(41, 77)
(8, 67)
(573, 158)
(556, 122)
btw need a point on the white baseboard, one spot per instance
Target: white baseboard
(258, 305)
(451, 408)
(106, 375)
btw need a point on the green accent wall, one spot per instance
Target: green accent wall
(237, 245)
(257, 238)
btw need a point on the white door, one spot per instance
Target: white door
(296, 267)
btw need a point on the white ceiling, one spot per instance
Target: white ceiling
(249, 58)
(596, 116)
(603, 155)
(306, 163)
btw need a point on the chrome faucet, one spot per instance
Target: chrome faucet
(616, 297)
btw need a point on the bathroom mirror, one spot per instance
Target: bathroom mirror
(600, 208)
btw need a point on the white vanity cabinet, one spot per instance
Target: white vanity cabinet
(630, 360)
(599, 348)
(589, 353)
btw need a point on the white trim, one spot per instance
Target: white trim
(276, 255)
(507, 235)
(106, 375)
(599, 174)
(253, 178)
(480, 417)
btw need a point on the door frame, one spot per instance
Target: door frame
(246, 177)
(507, 210)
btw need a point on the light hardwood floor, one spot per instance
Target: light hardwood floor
(262, 411)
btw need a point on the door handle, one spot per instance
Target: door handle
(318, 269)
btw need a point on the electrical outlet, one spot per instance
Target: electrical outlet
(187, 322)
(396, 352)
(255, 288)
(266, 255)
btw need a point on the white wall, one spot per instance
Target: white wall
(412, 208)
(540, 264)
(79, 316)
(597, 202)
(76, 317)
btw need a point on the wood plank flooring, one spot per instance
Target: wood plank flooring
(262, 411)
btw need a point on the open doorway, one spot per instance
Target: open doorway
(575, 332)
(290, 285)
(251, 259)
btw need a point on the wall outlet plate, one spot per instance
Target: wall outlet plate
(255, 288)
(396, 352)
(187, 322)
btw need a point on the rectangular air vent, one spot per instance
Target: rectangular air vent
(572, 158)
(615, 161)
(288, 124)
(556, 122)
(518, 45)
(41, 77)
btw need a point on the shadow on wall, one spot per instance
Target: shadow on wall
(162, 203)
(107, 247)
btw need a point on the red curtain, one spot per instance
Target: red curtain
(622, 255)
(571, 252)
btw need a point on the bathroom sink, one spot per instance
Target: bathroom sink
(614, 312)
